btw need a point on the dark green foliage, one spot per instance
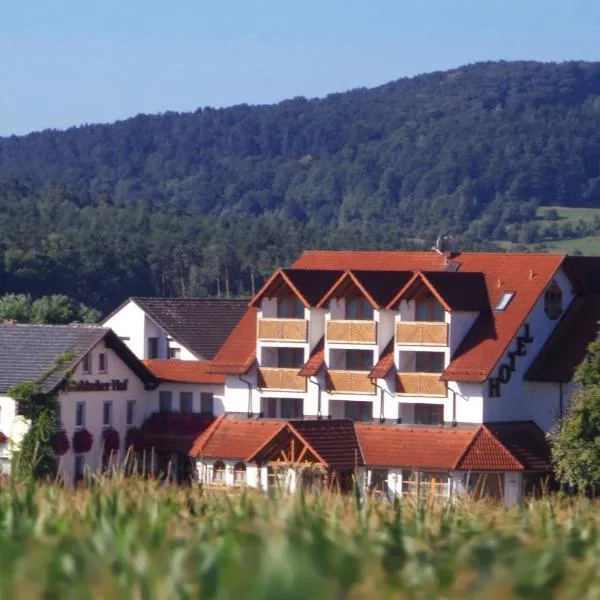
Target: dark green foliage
(576, 446)
(35, 457)
(208, 203)
(54, 310)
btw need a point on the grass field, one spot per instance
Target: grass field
(135, 539)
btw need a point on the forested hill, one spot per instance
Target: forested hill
(208, 201)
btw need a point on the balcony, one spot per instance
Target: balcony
(285, 380)
(283, 330)
(351, 382)
(421, 333)
(420, 384)
(352, 332)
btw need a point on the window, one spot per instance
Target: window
(58, 414)
(358, 411)
(80, 414)
(378, 481)
(165, 401)
(553, 301)
(186, 402)
(292, 408)
(102, 362)
(85, 364)
(429, 309)
(107, 413)
(434, 485)
(359, 360)
(207, 403)
(130, 412)
(153, 347)
(290, 358)
(359, 309)
(174, 352)
(504, 301)
(290, 308)
(218, 475)
(271, 408)
(79, 467)
(239, 473)
(429, 362)
(429, 414)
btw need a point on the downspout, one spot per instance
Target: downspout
(249, 384)
(383, 391)
(560, 402)
(313, 379)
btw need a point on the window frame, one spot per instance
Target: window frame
(290, 307)
(237, 480)
(186, 395)
(221, 479)
(204, 396)
(130, 405)
(102, 362)
(152, 347)
(162, 394)
(86, 364)
(80, 405)
(107, 404)
(291, 408)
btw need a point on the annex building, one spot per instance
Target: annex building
(417, 372)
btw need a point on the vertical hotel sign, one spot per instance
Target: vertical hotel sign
(505, 370)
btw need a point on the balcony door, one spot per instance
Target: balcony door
(358, 411)
(429, 309)
(290, 358)
(290, 308)
(429, 362)
(358, 309)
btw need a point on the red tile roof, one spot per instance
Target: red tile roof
(385, 362)
(172, 432)
(419, 447)
(304, 284)
(230, 438)
(526, 275)
(184, 371)
(315, 361)
(378, 287)
(567, 346)
(507, 447)
(238, 353)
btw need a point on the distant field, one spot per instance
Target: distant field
(569, 214)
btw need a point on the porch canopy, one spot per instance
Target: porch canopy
(330, 443)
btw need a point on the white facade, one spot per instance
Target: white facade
(137, 330)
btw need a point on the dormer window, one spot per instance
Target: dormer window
(359, 309)
(504, 301)
(553, 301)
(429, 309)
(290, 308)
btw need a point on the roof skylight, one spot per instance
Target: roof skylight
(504, 301)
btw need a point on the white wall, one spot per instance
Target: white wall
(129, 322)
(459, 324)
(235, 395)
(316, 326)
(516, 401)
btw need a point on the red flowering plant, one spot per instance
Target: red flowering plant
(82, 441)
(60, 443)
(110, 440)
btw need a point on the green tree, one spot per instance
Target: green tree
(576, 444)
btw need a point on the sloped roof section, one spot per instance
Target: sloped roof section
(315, 361)
(567, 346)
(199, 324)
(305, 284)
(385, 363)
(231, 439)
(413, 447)
(184, 371)
(334, 440)
(30, 351)
(238, 353)
(510, 446)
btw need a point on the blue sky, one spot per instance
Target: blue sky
(67, 62)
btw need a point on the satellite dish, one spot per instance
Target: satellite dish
(442, 244)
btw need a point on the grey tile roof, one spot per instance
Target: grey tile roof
(200, 324)
(29, 351)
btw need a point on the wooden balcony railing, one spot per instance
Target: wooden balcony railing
(272, 378)
(409, 333)
(353, 382)
(420, 384)
(352, 332)
(283, 330)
